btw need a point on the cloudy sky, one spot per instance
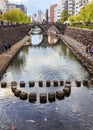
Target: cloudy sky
(34, 5)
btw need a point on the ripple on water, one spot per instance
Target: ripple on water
(51, 63)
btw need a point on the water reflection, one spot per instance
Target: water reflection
(36, 39)
(45, 61)
(52, 39)
(44, 41)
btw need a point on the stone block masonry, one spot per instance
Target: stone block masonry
(7, 57)
(84, 36)
(79, 51)
(9, 35)
(16, 37)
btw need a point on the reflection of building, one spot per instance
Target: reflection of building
(52, 39)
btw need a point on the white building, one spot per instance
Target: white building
(71, 7)
(40, 16)
(57, 13)
(63, 4)
(74, 6)
(3, 5)
(77, 6)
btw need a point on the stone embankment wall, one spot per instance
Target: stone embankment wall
(84, 36)
(16, 37)
(9, 35)
(76, 39)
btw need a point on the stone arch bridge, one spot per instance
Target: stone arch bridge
(45, 27)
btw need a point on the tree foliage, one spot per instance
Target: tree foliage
(16, 16)
(64, 16)
(84, 15)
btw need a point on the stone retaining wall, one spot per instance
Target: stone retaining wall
(9, 35)
(83, 36)
(79, 51)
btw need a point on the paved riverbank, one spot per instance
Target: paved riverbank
(7, 57)
(79, 50)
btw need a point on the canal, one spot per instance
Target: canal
(46, 58)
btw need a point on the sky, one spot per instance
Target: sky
(34, 5)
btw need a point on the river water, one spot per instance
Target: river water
(47, 58)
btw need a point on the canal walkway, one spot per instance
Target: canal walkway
(79, 50)
(7, 57)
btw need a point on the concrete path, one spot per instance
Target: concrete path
(6, 57)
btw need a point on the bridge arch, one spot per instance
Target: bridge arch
(44, 27)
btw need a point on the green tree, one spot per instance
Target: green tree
(16, 16)
(72, 19)
(64, 16)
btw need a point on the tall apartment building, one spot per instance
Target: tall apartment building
(57, 13)
(63, 4)
(74, 6)
(71, 7)
(78, 6)
(84, 2)
(52, 8)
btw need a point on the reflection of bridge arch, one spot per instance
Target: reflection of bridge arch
(44, 43)
(44, 40)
